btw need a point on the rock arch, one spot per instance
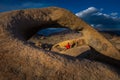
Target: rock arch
(21, 61)
(25, 23)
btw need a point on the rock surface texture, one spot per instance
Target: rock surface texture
(21, 61)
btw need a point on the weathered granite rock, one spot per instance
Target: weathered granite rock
(77, 47)
(20, 61)
(76, 51)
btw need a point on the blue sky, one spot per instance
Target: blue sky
(72, 5)
(98, 13)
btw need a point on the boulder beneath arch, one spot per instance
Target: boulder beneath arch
(76, 47)
(21, 61)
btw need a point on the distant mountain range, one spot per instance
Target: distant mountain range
(49, 31)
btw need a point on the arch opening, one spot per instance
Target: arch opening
(46, 38)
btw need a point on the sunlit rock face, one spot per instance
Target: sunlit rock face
(21, 61)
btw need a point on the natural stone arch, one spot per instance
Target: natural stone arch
(27, 22)
(21, 61)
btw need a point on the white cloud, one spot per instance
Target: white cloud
(114, 14)
(86, 12)
(100, 20)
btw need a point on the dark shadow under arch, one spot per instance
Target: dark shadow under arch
(26, 29)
